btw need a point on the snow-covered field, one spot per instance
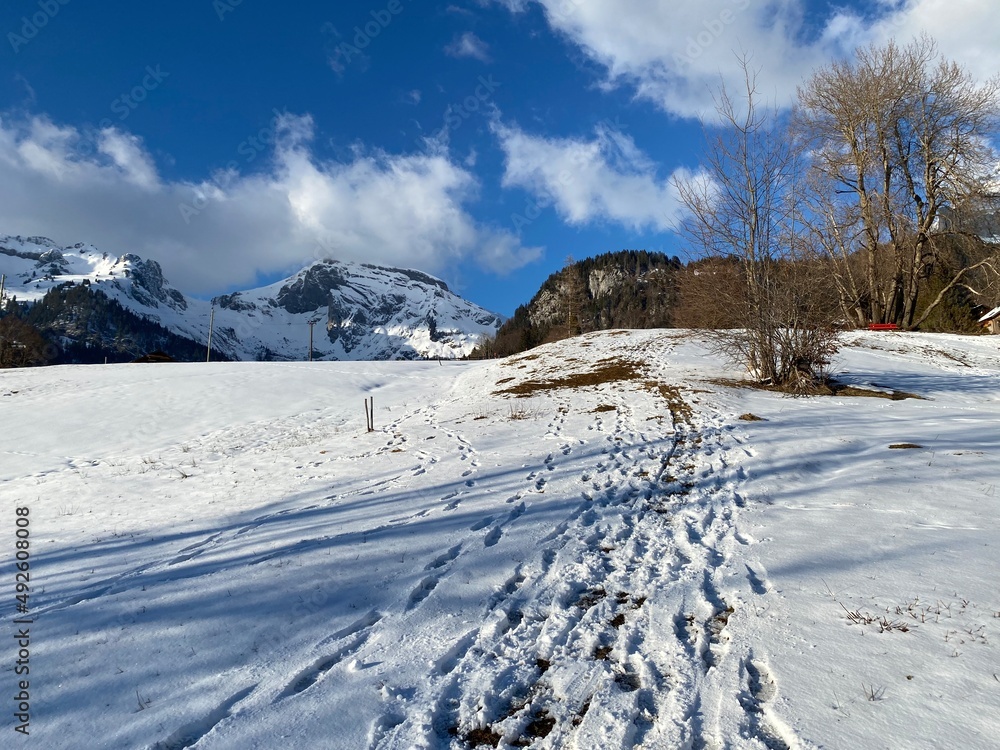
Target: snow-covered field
(223, 557)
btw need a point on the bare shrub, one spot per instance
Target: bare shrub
(759, 279)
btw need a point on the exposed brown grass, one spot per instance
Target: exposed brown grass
(680, 410)
(606, 371)
(839, 389)
(826, 388)
(884, 624)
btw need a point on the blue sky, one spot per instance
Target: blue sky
(482, 141)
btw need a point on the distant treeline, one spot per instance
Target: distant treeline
(75, 324)
(642, 289)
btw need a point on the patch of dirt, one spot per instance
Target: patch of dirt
(628, 682)
(721, 619)
(541, 725)
(748, 417)
(905, 446)
(483, 736)
(603, 408)
(591, 597)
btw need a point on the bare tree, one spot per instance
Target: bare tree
(898, 144)
(742, 211)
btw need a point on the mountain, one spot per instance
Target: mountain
(360, 311)
(626, 289)
(91, 305)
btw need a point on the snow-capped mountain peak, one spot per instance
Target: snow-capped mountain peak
(352, 310)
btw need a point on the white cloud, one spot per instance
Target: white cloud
(604, 179)
(103, 187)
(675, 54)
(469, 45)
(134, 164)
(964, 29)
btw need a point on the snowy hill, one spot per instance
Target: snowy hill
(595, 545)
(34, 265)
(360, 311)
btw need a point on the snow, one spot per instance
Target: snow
(386, 311)
(990, 315)
(223, 557)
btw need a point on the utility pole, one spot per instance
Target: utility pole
(211, 325)
(3, 278)
(311, 324)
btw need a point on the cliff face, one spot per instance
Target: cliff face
(361, 311)
(627, 289)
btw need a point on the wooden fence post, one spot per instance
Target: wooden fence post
(370, 414)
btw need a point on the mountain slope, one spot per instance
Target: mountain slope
(358, 311)
(361, 311)
(223, 552)
(626, 289)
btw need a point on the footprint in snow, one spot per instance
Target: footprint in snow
(493, 537)
(481, 523)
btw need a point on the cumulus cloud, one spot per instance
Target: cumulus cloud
(469, 45)
(603, 179)
(964, 30)
(103, 187)
(676, 54)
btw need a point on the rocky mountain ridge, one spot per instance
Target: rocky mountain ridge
(353, 310)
